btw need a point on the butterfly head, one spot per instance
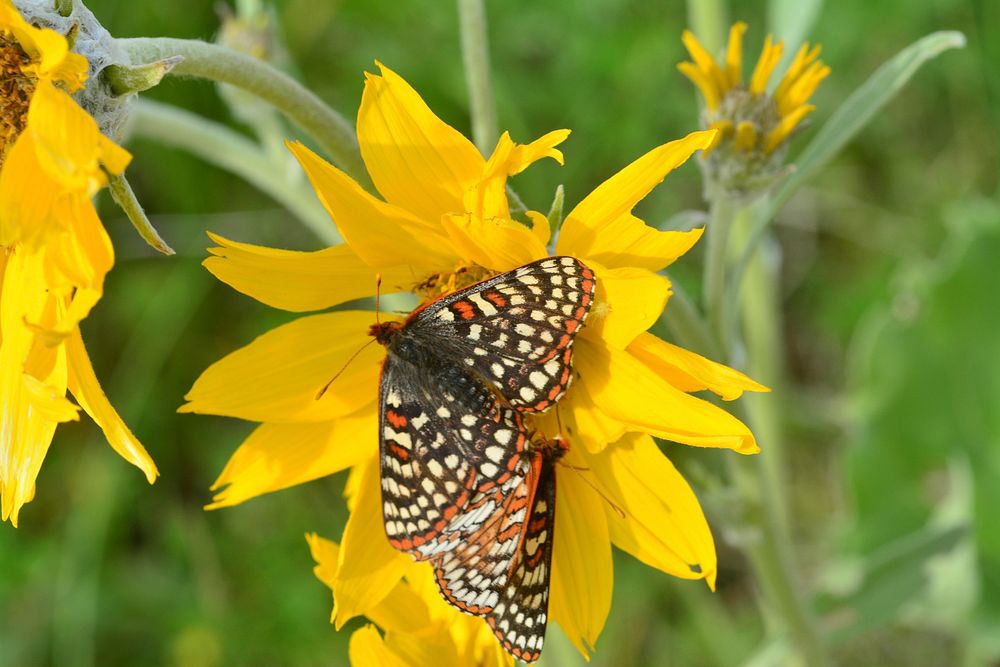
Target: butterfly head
(385, 332)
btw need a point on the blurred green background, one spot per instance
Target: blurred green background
(891, 322)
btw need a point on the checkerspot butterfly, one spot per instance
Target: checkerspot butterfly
(459, 374)
(502, 571)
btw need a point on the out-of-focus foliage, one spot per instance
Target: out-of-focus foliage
(892, 323)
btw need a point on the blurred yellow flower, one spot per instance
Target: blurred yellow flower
(445, 222)
(748, 116)
(54, 254)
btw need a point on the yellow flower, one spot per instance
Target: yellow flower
(443, 222)
(54, 254)
(420, 628)
(753, 123)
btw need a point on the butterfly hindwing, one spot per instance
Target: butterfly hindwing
(520, 615)
(471, 575)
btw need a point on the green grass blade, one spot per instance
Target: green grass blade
(862, 105)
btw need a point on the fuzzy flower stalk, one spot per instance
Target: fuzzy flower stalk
(442, 221)
(754, 120)
(54, 253)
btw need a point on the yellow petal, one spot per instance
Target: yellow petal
(402, 610)
(488, 199)
(708, 88)
(582, 574)
(47, 401)
(689, 371)
(326, 553)
(540, 227)
(496, 244)
(427, 649)
(27, 194)
(300, 281)
(88, 393)
(277, 377)
(628, 390)
(417, 161)
(769, 57)
(664, 525)
(734, 54)
(368, 568)
(704, 61)
(48, 50)
(628, 301)
(70, 147)
(277, 456)
(382, 235)
(580, 419)
(603, 228)
(367, 649)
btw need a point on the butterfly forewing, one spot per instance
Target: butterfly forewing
(516, 330)
(444, 438)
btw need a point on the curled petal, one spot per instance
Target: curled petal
(368, 649)
(88, 393)
(602, 226)
(664, 525)
(277, 377)
(582, 574)
(496, 243)
(277, 456)
(628, 301)
(689, 371)
(628, 390)
(417, 161)
(368, 567)
(300, 281)
(382, 235)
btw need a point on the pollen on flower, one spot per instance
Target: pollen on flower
(444, 282)
(16, 88)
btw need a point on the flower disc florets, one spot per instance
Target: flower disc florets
(754, 123)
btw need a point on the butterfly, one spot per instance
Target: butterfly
(459, 375)
(502, 571)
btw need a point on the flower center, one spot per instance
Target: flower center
(16, 89)
(439, 284)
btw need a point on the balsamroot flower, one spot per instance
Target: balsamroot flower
(444, 222)
(754, 124)
(54, 254)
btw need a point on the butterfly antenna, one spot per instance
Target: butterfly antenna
(343, 368)
(378, 295)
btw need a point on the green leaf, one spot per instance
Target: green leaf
(791, 21)
(848, 120)
(888, 579)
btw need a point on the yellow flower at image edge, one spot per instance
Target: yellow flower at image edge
(54, 254)
(443, 221)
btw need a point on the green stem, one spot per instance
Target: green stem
(221, 146)
(708, 20)
(218, 63)
(722, 213)
(759, 479)
(476, 59)
(686, 325)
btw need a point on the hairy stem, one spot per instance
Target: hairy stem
(299, 104)
(229, 150)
